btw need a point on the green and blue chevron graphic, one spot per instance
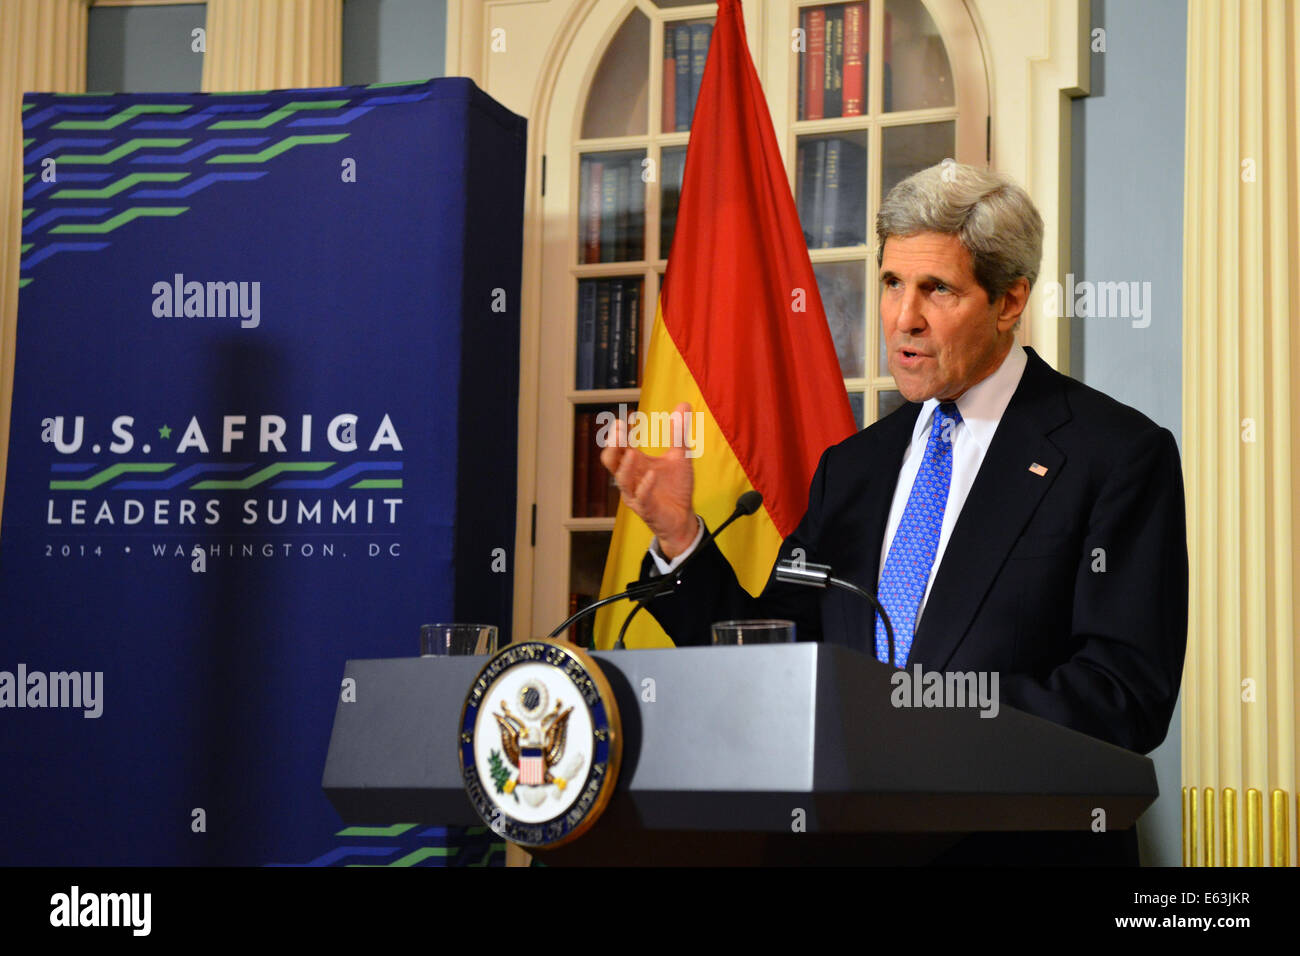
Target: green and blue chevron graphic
(170, 476)
(98, 165)
(409, 844)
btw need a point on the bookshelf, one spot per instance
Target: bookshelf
(590, 76)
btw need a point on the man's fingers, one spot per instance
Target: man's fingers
(626, 476)
(642, 496)
(611, 457)
(677, 428)
(612, 454)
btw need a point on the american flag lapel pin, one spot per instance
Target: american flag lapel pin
(1039, 470)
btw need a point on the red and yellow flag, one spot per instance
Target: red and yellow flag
(739, 333)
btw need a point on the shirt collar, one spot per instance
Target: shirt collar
(982, 404)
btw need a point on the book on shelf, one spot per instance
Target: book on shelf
(833, 63)
(583, 429)
(631, 373)
(856, 40)
(604, 301)
(597, 476)
(617, 321)
(814, 62)
(590, 190)
(682, 69)
(586, 366)
(609, 334)
(668, 104)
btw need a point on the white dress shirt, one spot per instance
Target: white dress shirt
(981, 409)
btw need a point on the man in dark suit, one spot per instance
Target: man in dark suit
(1012, 519)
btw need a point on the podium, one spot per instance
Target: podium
(789, 753)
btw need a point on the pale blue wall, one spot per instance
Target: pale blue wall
(385, 41)
(143, 49)
(1127, 225)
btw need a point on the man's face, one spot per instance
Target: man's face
(941, 332)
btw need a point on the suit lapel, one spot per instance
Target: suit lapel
(1002, 499)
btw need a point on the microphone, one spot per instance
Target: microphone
(819, 576)
(746, 505)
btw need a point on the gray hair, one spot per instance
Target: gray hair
(993, 217)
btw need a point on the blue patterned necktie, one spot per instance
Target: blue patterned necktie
(911, 553)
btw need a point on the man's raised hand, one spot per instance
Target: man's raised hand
(658, 488)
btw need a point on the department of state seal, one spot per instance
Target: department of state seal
(540, 742)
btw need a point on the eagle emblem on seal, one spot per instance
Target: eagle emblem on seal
(533, 742)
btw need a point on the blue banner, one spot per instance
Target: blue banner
(263, 421)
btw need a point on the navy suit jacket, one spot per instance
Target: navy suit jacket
(1071, 585)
